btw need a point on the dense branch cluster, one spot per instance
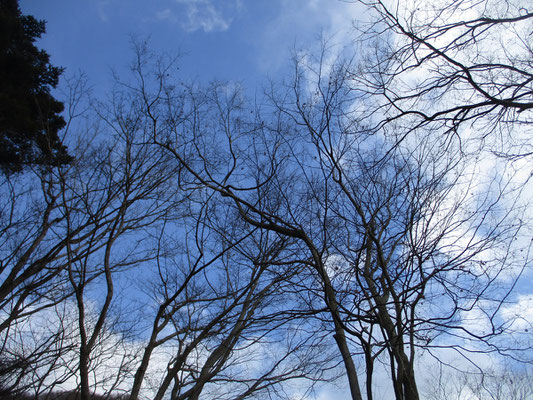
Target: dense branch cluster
(453, 66)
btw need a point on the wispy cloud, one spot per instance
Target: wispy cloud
(304, 24)
(205, 15)
(165, 14)
(521, 313)
(101, 6)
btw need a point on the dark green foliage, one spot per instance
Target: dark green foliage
(29, 116)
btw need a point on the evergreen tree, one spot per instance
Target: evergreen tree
(29, 115)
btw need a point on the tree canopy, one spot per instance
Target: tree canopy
(30, 117)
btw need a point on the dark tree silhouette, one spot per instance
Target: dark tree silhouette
(29, 115)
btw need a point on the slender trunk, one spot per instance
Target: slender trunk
(349, 365)
(84, 350)
(340, 336)
(141, 371)
(408, 383)
(84, 373)
(369, 370)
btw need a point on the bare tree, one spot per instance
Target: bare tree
(31, 269)
(220, 299)
(458, 67)
(207, 317)
(509, 382)
(399, 241)
(418, 241)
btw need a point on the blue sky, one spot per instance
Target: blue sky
(236, 40)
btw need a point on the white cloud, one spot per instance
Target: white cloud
(520, 313)
(165, 14)
(303, 23)
(204, 15)
(101, 8)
